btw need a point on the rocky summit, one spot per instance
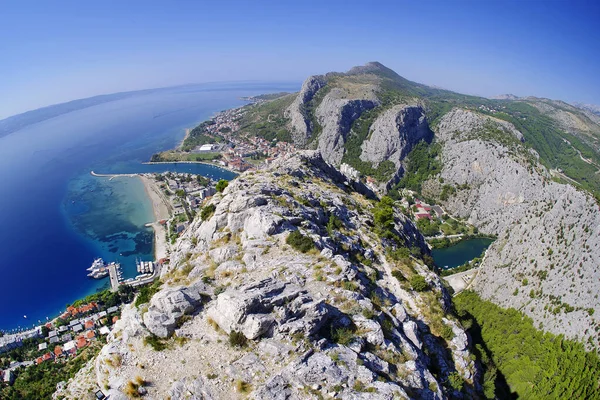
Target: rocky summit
(246, 311)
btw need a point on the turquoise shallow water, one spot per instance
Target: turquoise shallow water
(458, 254)
(55, 218)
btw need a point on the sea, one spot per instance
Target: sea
(56, 218)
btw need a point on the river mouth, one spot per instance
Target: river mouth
(460, 253)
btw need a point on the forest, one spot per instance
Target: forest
(520, 361)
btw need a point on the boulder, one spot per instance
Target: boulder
(168, 306)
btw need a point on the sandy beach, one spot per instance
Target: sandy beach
(162, 211)
(191, 162)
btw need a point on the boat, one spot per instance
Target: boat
(98, 263)
(98, 269)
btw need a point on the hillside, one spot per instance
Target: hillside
(303, 280)
(501, 164)
(273, 296)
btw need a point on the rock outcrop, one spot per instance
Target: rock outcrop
(546, 259)
(394, 133)
(167, 308)
(300, 124)
(329, 321)
(336, 114)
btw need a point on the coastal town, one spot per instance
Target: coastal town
(176, 199)
(59, 340)
(221, 141)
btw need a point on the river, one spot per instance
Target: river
(459, 253)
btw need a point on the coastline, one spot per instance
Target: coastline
(192, 162)
(162, 211)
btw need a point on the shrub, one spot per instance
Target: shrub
(242, 387)
(342, 335)
(300, 242)
(221, 185)
(207, 212)
(131, 390)
(455, 381)
(155, 342)
(447, 332)
(146, 293)
(419, 283)
(398, 275)
(237, 339)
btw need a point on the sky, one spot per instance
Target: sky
(56, 51)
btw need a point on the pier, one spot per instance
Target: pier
(114, 276)
(113, 176)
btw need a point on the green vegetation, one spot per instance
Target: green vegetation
(334, 224)
(157, 344)
(39, 381)
(543, 134)
(423, 163)
(342, 335)
(237, 339)
(266, 120)
(519, 360)
(221, 185)
(270, 96)
(207, 212)
(108, 298)
(199, 136)
(418, 283)
(174, 155)
(146, 293)
(300, 242)
(474, 263)
(359, 133)
(383, 218)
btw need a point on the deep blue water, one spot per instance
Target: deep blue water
(55, 218)
(461, 252)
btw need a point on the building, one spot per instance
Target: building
(112, 309)
(81, 343)
(69, 345)
(43, 346)
(77, 328)
(421, 215)
(104, 330)
(438, 211)
(9, 377)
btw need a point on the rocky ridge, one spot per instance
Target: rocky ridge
(546, 259)
(394, 133)
(331, 321)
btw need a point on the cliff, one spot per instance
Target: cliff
(545, 261)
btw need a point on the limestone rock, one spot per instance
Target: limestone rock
(394, 133)
(168, 306)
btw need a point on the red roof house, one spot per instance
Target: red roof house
(81, 343)
(422, 215)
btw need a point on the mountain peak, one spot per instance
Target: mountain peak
(373, 67)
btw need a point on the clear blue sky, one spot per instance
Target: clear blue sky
(55, 51)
